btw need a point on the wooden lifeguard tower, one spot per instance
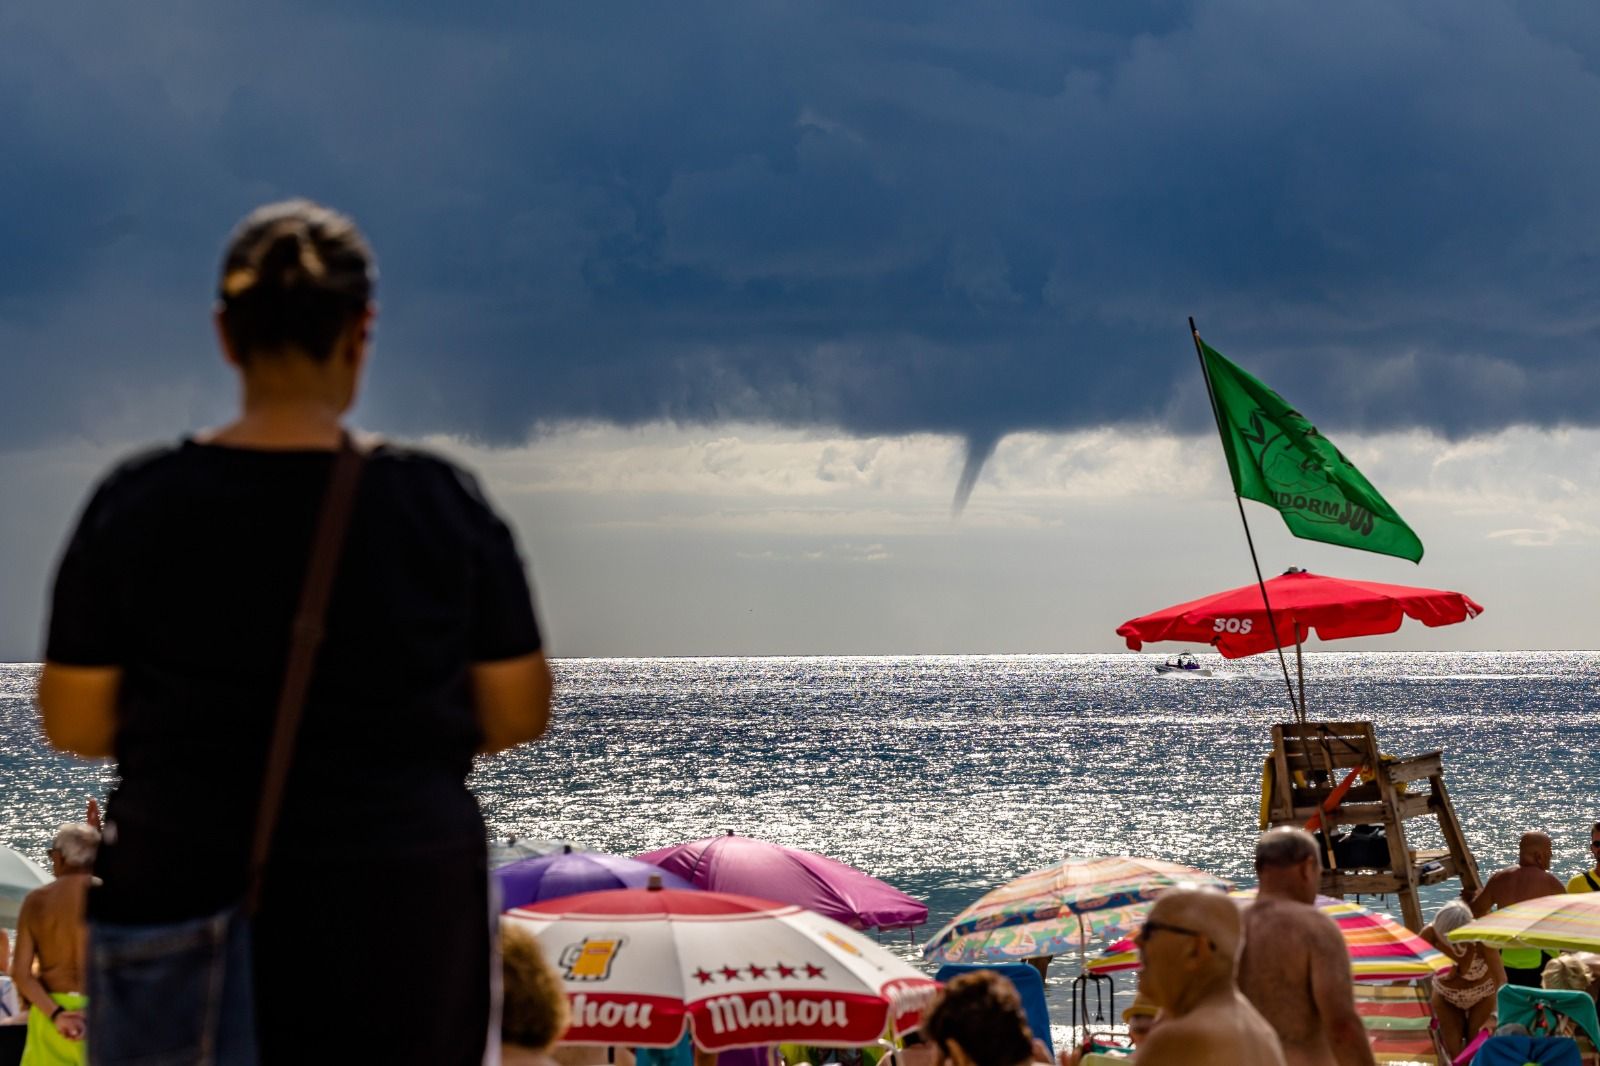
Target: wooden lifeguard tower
(1313, 776)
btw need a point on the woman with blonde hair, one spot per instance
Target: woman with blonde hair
(1464, 999)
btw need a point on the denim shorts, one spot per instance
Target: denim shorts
(175, 994)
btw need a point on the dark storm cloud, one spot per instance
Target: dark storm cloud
(885, 217)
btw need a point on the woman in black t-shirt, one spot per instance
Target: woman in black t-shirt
(167, 643)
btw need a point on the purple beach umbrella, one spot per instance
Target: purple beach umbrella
(749, 867)
(568, 872)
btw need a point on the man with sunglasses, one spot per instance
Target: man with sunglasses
(1589, 880)
(1188, 946)
(1295, 966)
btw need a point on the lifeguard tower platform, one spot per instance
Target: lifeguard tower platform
(1333, 773)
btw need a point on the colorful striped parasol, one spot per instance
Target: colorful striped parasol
(1555, 923)
(1382, 951)
(1061, 909)
(1120, 957)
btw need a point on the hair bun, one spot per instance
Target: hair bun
(288, 257)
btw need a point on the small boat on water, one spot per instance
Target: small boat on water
(1185, 664)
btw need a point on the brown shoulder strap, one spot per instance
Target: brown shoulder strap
(304, 639)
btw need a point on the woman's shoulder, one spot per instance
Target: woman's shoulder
(423, 468)
(137, 471)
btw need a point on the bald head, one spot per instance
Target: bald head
(1288, 864)
(1210, 913)
(1533, 849)
(1277, 848)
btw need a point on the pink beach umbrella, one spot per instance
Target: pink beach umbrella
(749, 867)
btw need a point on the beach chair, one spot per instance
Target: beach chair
(1029, 985)
(1556, 1012)
(1399, 1022)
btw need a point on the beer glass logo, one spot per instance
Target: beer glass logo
(590, 959)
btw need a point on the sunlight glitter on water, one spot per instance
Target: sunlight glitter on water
(949, 775)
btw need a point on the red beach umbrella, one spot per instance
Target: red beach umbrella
(1236, 621)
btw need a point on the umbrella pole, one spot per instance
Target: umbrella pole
(1300, 668)
(1272, 623)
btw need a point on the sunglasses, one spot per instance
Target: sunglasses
(1594, 843)
(1151, 927)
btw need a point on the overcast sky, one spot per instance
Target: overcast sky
(721, 298)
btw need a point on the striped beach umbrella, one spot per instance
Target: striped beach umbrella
(1061, 909)
(1119, 957)
(1382, 951)
(1554, 923)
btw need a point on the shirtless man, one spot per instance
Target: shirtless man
(1188, 945)
(1530, 878)
(52, 931)
(1295, 967)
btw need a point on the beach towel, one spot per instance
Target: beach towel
(46, 1046)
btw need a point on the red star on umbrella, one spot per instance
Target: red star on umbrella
(756, 971)
(813, 971)
(730, 973)
(703, 977)
(785, 971)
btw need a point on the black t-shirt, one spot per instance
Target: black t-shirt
(185, 571)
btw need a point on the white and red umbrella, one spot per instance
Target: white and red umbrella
(640, 963)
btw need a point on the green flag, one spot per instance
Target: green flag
(1279, 458)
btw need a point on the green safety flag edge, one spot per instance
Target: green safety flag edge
(1278, 458)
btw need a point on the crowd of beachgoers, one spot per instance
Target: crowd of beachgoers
(315, 632)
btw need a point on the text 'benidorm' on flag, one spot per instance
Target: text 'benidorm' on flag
(1278, 458)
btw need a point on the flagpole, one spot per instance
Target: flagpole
(1272, 623)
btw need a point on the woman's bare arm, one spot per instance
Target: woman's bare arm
(78, 708)
(512, 699)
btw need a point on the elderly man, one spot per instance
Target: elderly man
(51, 932)
(1295, 967)
(1529, 879)
(1188, 945)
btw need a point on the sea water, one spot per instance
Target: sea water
(947, 776)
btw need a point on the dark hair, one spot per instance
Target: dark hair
(982, 1012)
(293, 276)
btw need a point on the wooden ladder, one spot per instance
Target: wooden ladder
(1310, 760)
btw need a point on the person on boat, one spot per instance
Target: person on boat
(52, 933)
(1529, 879)
(1464, 999)
(1295, 966)
(167, 643)
(977, 1020)
(1589, 880)
(1188, 945)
